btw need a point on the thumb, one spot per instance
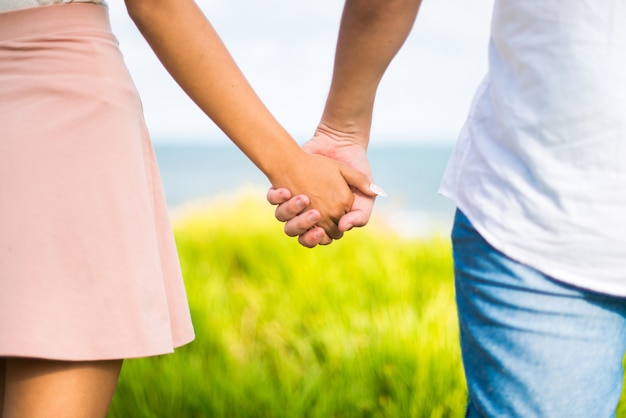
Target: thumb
(359, 181)
(353, 219)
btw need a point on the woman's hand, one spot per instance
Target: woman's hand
(293, 209)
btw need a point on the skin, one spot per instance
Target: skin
(3, 368)
(37, 388)
(371, 33)
(192, 52)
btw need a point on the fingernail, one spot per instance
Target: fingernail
(378, 190)
(300, 203)
(313, 217)
(349, 227)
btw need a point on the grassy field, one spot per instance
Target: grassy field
(365, 327)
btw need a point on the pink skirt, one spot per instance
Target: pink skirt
(88, 263)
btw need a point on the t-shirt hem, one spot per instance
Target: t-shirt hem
(522, 257)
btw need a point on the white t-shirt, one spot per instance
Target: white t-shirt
(540, 165)
(6, 5)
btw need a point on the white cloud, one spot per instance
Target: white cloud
(286, 49)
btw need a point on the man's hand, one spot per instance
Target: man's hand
(370, 35)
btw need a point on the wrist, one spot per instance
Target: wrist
(347, 118)
(343, 134)
(281, 161)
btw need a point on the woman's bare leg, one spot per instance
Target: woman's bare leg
(37, 388)
(3, 364)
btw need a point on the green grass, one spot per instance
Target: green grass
(365, 327)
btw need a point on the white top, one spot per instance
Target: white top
(540, 166)
(6, 5)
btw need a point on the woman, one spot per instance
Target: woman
(88, 267)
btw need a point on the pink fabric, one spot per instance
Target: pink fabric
(88, 264)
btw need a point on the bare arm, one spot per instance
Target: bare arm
(192, 52)
(371, 33)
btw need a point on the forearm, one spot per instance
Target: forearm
(371, 33)
(192, 52)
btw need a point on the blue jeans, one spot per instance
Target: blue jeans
(532, 346)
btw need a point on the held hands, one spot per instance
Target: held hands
(330, 187)
(302, 220)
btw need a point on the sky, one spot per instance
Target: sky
(286, 49)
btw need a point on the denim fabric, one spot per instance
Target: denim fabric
(533, 346)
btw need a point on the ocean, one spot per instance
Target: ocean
(410, 174)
